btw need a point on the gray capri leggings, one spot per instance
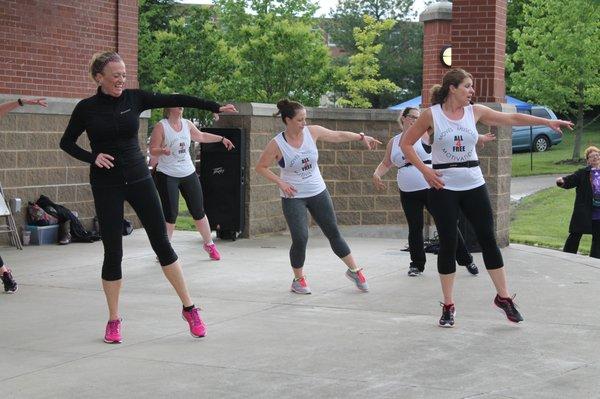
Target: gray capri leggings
(321, 209)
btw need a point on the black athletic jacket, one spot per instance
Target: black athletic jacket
(112, 125)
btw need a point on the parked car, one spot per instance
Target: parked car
(536, 138)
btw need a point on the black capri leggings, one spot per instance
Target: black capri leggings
(191, 190)
(143, 198)
(475, 205)
(321, 209)
(413, 203)
(1, 262)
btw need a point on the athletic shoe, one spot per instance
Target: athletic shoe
(197, 327)
(300, 286)
(10, 285)
(448, 313)
(509, 307)
(414, 271)
(472, 268)
(113, 332)
(358, 278)
(212, 251)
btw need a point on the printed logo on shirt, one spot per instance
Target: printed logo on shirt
(458, 144)
(181, 148)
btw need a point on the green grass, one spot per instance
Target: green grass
(184, 220)
(548, 162)
(542, 219)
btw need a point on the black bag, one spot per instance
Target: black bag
(127, 227)
(78, 232)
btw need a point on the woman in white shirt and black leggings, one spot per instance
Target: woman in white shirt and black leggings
(457, 181)
(302, 188)
(413, 194)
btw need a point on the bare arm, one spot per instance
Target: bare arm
(340, 136)
(409, 138)
(270, 155)
(157, 147)
(494, 118)
(5, 108)
(383, 167)
(205, 137)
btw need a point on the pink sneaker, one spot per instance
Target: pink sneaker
(113, 332)
(197, 327)
(212, 251)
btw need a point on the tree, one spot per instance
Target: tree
(282, 52)
(361, 77)
(401, 57)
(154, 16)
(559, 54)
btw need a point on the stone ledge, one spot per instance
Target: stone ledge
(56, 106)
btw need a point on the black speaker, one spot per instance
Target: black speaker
(222, 175)
(468, 233)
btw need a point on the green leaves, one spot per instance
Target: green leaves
(238, 50)
(556, 62)
(361, 77)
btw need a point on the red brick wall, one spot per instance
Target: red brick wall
(479, 45)
(47, 44)
(436, 36)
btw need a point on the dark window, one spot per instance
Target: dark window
(541, 112)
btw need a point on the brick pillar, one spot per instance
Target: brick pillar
(479, 45)
(437, 20)
(127, 43)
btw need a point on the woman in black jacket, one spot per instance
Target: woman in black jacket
(586, 210)
(118, 173)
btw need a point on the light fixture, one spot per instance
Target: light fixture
(446, 56)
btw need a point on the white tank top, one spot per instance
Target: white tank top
(409, 178)
(300, 167)
(179, 163)
(455, 141)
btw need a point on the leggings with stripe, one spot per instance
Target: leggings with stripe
(143, 198)
(321, 209)
(475, 205)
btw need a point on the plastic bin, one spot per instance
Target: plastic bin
(41, 235)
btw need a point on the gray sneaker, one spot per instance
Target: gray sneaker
(300, 286)
(359, 279)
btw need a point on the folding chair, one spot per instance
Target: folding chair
(9, 226)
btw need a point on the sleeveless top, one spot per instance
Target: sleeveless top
(409, 178)
(455, 141)
(300, 168)
(179, 163)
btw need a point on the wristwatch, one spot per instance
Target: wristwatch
(362, 136)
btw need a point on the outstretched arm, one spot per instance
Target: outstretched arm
(340, 136)
(5, 108)
(494, 118)
(204, 137)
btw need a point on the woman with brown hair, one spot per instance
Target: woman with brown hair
(302, 188)
(413, 194)
(457, 183)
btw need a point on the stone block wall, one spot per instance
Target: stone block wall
(348, 168)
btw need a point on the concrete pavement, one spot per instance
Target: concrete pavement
(523, 186)
(266, 342)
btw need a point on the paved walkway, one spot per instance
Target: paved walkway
(265, 342)
(523, 186)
